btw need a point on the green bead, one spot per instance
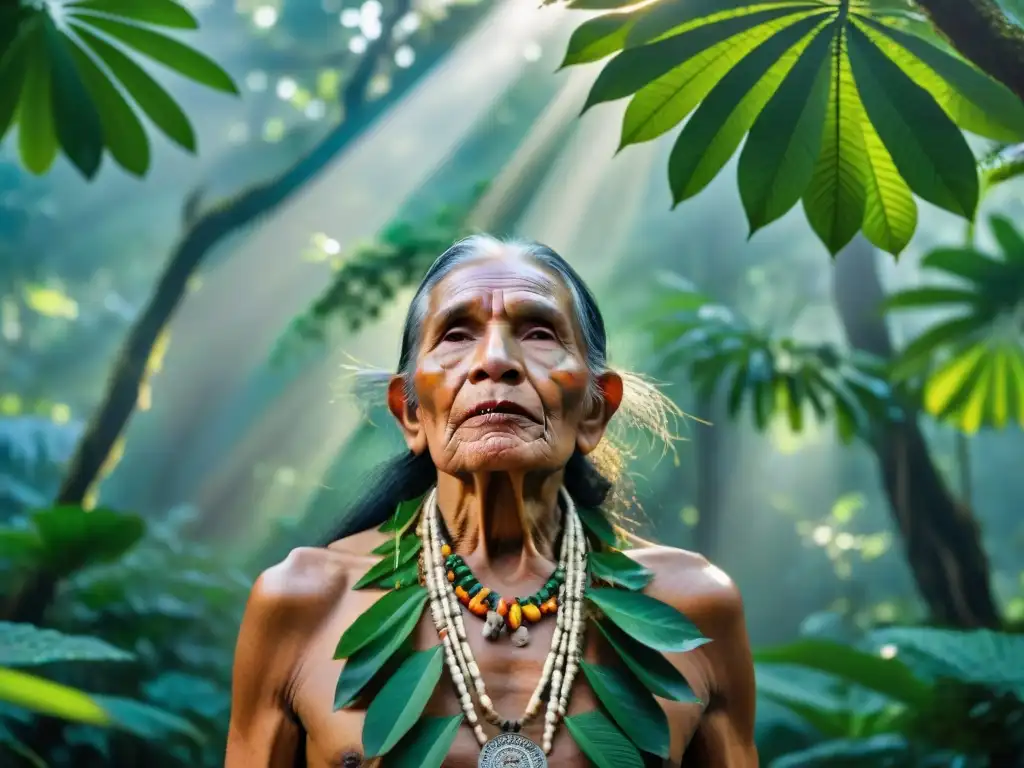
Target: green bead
(466, 581)
(559, 575)
(492, 600)
(544, 594)
(475, 589)
(461, 570)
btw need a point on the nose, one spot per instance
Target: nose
(497, 358)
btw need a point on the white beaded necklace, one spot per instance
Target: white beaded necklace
(562, 662)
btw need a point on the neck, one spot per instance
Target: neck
(502, 517)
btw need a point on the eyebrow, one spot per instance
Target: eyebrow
(526, 309)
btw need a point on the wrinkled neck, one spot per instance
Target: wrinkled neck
(505, 522)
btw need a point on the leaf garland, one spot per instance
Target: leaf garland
(364, 664)
(596, 523)
(406, 549)
(603, 744)
(848, 109)
(65, 84)
(619, 570)
(650, 667)
(383, 617)
(427, 744)
(398, 705)
(655, 624)
(631, 706)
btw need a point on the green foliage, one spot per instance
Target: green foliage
(973, 362)
(775, 375)
(400, 702)
(394, 610)
(427, 744)
(650, 667)
(618, 570)
(63, 68)
(852, 108)
(631, 706)
(603, 744)
(649, 621)
(905, 696)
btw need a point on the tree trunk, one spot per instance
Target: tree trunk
(203, 233)
(980, 31)
(940, 535)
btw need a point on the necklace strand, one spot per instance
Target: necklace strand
(562, 662)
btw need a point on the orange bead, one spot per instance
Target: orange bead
(443, 633)
(477, 606)
(502, 608)
(451, 575)
(550, 606)
(462, 594)
(445, 550)
(531, 613)
(515, 616)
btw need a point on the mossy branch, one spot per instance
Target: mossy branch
(982, 33)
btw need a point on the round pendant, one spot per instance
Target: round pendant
(510, 750)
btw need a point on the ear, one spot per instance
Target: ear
(595, 422)
(406, 416)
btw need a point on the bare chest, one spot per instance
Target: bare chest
(333, 739)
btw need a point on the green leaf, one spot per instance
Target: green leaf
(618, 569)
(408, 548)
(427, 744)
(361, 666)
(123, 133)
(13, 68)
(927, 148)
(650, 667)
(889, 677)
(20, 547)
(48, 698)
(603, 744)
(596, 38)
(836, 199)
(74, 538)
(918, 353)
(634, 68)
(74, 112)
(778, 159)
(631, 706)
(404, 514)
(406, 576)
(148, 722)
(974, 101)
(649, 621)
(596, 523)
(164, 13)
(384, 616)
(184, 60)
(661, 104)
(716, 129)
(151, 97)
(666, 19)
(36, 137)
(398, 705)
(1009, 238)
(25, 645)
(929, 297)
(966, 263)
(890, 215)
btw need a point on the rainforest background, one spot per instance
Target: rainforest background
(194, 256)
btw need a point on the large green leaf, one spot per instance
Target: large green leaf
(398, 705)
(887, 676)
(74, 538)
(649, 621)
(49, 698)
(361, 666)
(979, 386)
(927, 148)
(603, 744)
(596, 523)
(385, 616)
(880, 750)
(890, 211)
(598, 37)
(631, 706)
(427, 744)
(716, 129)
(24, 645)
(404, 514)
(650, 667)
(62, 75)
(618, 569)
(773, 174)
(146, 721)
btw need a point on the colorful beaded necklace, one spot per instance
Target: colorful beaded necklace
(501, 615)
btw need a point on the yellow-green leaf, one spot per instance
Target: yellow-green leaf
(37, 139)
(599, 37)
(836, 199)
(949, 383)
(164, 13)
(890, 211)
(48, 698)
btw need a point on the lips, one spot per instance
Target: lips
(497, 409)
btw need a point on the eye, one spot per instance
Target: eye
(538, 333)
(456, 335)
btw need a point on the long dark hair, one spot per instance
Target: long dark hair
(409, 476)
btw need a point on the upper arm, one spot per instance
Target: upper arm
(278, 617)
(725, 736)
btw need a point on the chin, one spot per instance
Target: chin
(500, 453)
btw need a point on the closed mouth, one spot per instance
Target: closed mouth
(499, 408)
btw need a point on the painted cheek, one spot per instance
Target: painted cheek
(572, 381)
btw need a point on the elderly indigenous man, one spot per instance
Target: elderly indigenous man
(486, 614)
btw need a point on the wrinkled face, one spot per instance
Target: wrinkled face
(501, 379)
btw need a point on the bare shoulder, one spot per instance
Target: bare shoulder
(693, 585)
(311, 580)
